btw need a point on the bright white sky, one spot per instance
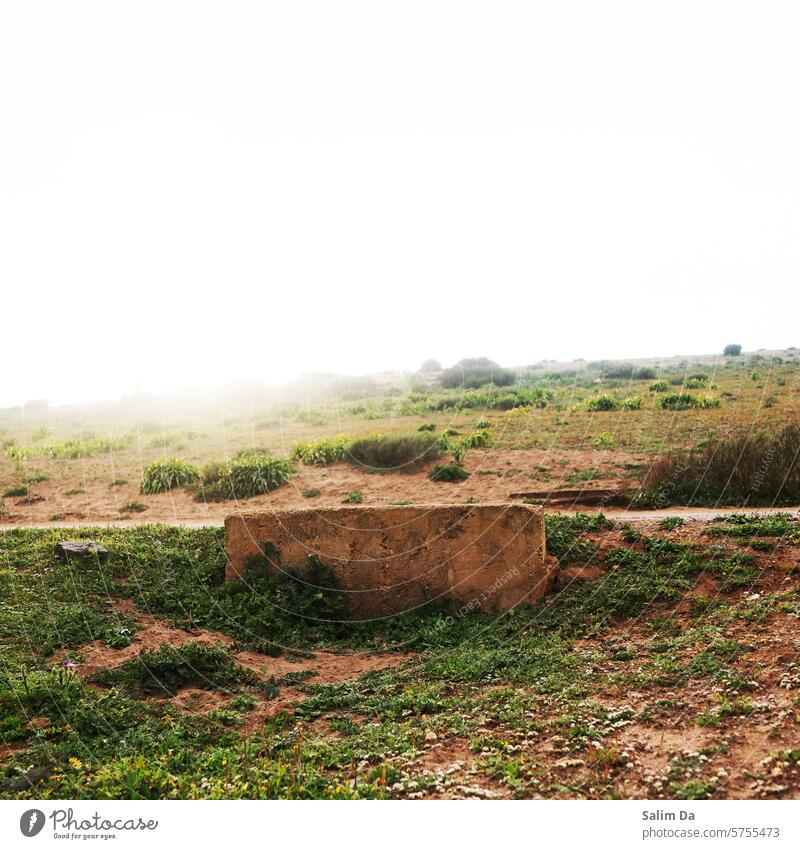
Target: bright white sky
(192, 193)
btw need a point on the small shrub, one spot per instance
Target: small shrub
(483, 424)
(659, 386)
(354, 497)
(603, 440)
(449, 472)
(633, 403)
(167, 474)
(732, 350)
(133, 507)
(602, 403)
(15, 491)
(311, 493)
(396, 451)
(426, 428)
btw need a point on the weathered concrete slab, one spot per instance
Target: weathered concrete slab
(393, 559)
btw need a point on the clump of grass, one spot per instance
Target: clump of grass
(15, 491)
(632, 403)
(36, 477)
(395, 451)
(311, 493)
(448, 472)
(321, 452)
(482, 424)
(168, 473)
(133, 507)
(353, 497)
(659, 386)
(248, 474)
(427, 428)
(759, 468)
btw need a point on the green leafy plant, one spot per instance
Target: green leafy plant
(168, 473)
(353, 497)
(248, 474)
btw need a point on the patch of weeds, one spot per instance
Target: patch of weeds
(15, 492)
(321, 452)
(167, 669)
(311, 493)
(670, 523)
(133, 507)
(353, 497)
(448, 472)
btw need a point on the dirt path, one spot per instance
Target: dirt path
(699, 514)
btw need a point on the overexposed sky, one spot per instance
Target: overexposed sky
(194, 192)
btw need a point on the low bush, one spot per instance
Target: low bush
(602, 403)
(427, 428)
(167, 474)
(395, 451)
(483, 424)
(15, 491)
(659, 386)
(354, 497)
(634, 403)
(678, 401)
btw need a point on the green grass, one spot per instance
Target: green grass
(489, 680)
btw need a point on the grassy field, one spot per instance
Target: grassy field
(666, 666)
(554, 426)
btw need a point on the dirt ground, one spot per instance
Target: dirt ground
(495, 474)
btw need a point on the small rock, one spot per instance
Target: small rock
(430, 736)
(66, 551)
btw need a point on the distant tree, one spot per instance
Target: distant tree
(732, 350)
(431, 365)
(473, 372)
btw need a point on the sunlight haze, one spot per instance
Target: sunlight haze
(190, 199)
